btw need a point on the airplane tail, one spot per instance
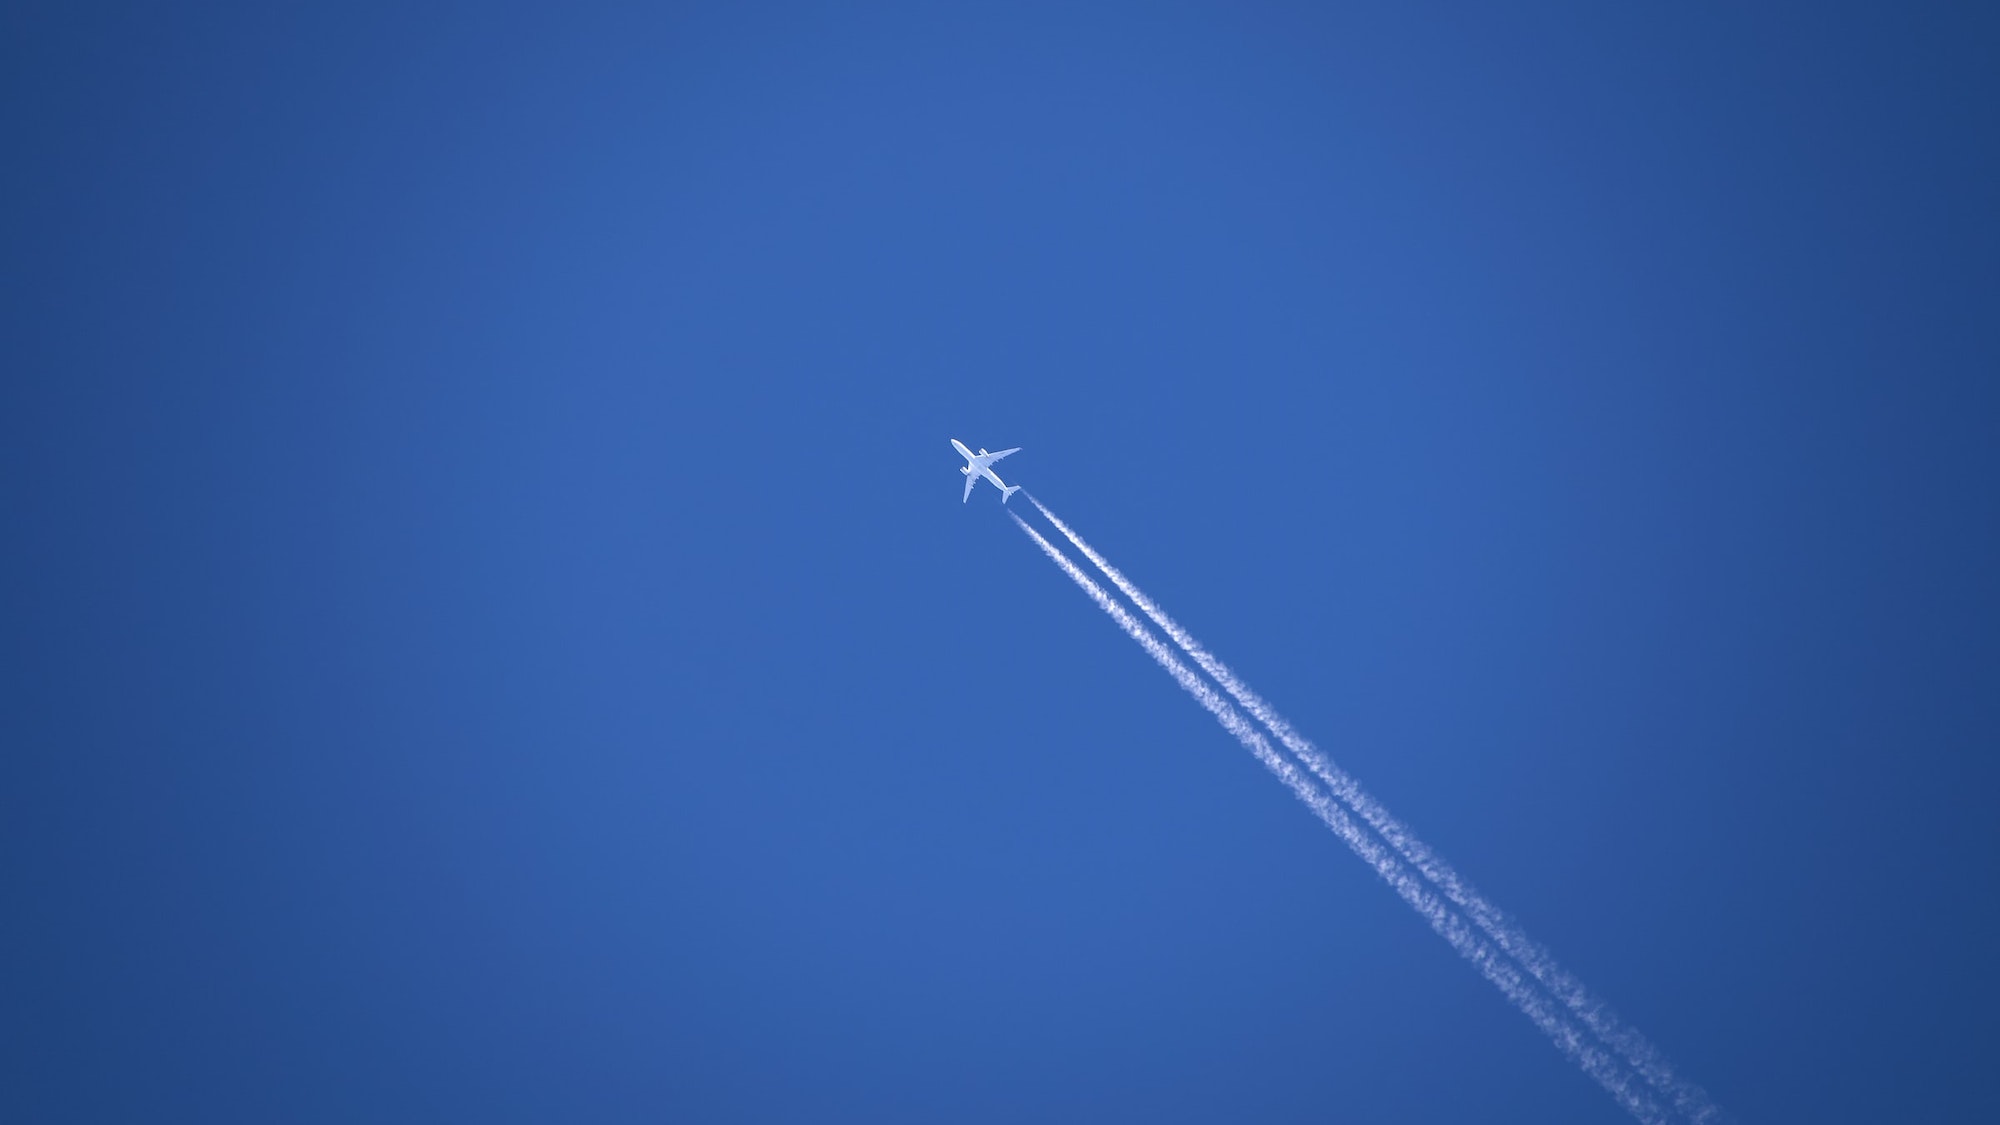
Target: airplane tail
(1008, 491)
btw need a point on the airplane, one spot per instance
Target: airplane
(976, 467)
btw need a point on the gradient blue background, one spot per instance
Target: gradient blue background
(490, 632)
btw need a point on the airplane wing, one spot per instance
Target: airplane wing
(992, 457)
(970, 480)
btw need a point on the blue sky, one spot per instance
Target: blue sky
(491, 632)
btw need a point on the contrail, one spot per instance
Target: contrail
(1637, 1052)
(1574, 1045)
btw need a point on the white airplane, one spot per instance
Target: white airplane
(976, 466)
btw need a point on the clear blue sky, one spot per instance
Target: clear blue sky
(489, 631)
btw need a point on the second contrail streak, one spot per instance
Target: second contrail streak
(1494, 966)
(1637, 1052)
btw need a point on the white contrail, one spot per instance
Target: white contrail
(1574, 1045)
(1637, 1052)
